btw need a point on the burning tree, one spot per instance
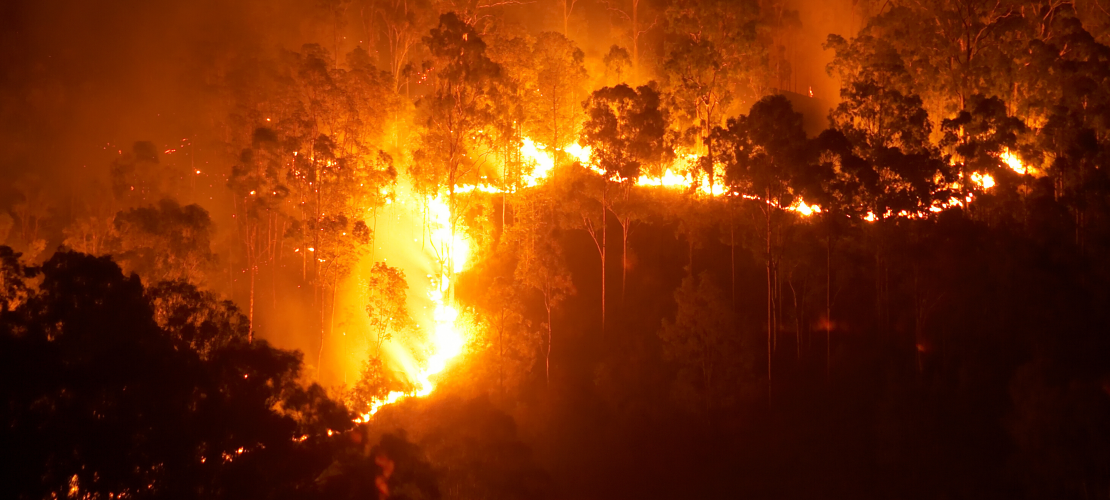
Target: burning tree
(456, 115)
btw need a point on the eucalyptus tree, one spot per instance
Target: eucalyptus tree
(164, 242)
(542, 267)
(456, 114)
(763, 155)
(626, 131)
(561, 87)
(713, 58)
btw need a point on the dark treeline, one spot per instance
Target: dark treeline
(902, 294)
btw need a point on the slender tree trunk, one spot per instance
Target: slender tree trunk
(501, 355)
(797, 320)
(252, 265)
(278, 240)
(828, 299)
(604, 247)
(778, 299)
(504, 195)
(331, 318)
(690, 254)
(323, 336)
(625, 223)
(636, 39)
(547, 357)
(770, 315)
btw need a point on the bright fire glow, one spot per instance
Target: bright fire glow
(1012, 161)
(544, 162)
(802, 208)
(447, 340)
(452, 250)
(537, 154)
(580, 153)
(673, 178)
(984, 181)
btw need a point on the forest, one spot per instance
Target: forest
(555, 249)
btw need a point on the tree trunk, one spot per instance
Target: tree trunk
(732, 256)
(331, 315)
(636, 39)
(323, 334)
(770, 312)
(501, 355)
(625, 223)
(547, 357)
(797, 320)
(690, 253)
(828, 298)
(604, 247)
(250, 321)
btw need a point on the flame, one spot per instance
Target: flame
(803, 209)
(669, 179)
(673, 178)
(483, 188)
(984, 181)
(1012, 161)
(447, 340)
(580, 153)
(543, 162)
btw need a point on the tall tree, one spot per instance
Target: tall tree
(542, 268)
(560, 80)
(625, 129)
(765, 151)
(455, 113)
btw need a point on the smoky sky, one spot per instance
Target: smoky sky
(82, 80)
(79, 79)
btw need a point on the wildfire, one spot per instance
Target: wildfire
(544, 162)
(984, 181)
(537, 154)
(802, 208)
(446, 341)
(452, 249)
(1012, 161)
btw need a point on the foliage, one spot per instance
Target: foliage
(702, 340)
(113, 404)
(164, 242)
(386, 305)
(625, 129)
